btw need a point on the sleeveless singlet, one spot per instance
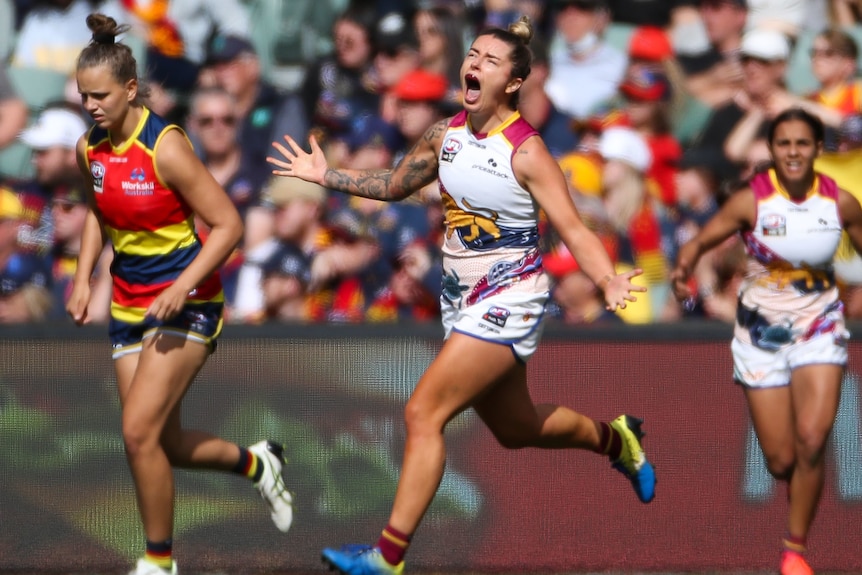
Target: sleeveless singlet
(491, 239)
(150, 226)
(788, 293)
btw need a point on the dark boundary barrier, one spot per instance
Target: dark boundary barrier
(334, 395)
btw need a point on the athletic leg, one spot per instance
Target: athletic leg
(516, 422)
(815, 392)
(165, 368)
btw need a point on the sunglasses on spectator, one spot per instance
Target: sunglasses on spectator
(823, 53)
(207, 121)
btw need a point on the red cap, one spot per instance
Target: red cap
(421, 86)
(646, 85)
(650, 43)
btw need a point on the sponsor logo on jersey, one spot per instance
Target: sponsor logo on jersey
(497, 315)
(97, 170)
(773, 225)
(450, 148)
(137, 184)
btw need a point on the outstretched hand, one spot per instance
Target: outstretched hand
(619, 290)
(299, 163)
(679, 281)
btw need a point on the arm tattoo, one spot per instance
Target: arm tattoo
(416, 169)
(372, 184)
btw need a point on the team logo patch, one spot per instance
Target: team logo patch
(773, 225)
(450, 147)
(497, 315)
(97, 170)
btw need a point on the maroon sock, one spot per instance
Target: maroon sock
(794, 543)
(393, 545)
(610, 442)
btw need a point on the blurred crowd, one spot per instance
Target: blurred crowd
(655, 109)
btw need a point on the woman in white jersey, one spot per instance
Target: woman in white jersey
(790, 344)
(494, 173)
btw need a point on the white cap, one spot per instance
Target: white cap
(625, 145)
(54, 128)
(765, 44)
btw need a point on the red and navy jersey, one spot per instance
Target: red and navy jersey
(150, 226)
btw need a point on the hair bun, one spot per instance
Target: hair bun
(104, 38)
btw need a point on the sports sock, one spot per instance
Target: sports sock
(393, 545)
(610, 442)
(794, 544)
(160, 553)
(249, 465)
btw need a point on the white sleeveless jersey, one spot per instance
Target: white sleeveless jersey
(789, 293)
(491, 239)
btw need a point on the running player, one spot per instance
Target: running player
(494, 173)
(146, 185)
(790, 343)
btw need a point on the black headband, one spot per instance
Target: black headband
(104, 38)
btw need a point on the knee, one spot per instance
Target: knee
(137, 436)
(420, 418)
(811, 443)
(780, 466)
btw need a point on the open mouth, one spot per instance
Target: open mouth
(472, 89)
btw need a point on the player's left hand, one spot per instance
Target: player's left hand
(620, 290)
(168, 303)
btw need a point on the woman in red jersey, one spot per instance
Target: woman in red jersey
(146, 187)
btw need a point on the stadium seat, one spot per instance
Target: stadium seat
(7, 29)
(37, 86)
(289, 36)
(618, 35)
(15, 162)
(690, 119)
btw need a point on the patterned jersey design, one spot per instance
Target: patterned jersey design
(491, 239)
(150, 226)
(789, 292)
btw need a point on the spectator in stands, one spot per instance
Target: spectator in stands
(575, 299)
(441, 46)
(52, 139)
(658, 13)
(648, 93)
(714, 76)
(213, 122)
(834, 58)
(845, 13)
(420, 101)
(24, 281)
(176, 34)
(635, 213)
(298, 212)
(262, 113)
(585, 64)
(539, 110)
(54, 31)
(842, 165)
(13, 110)
(390, 228)
(733, 127)
(285, 278)
(397, 55)
(785, 16)
(69, 212)
(341, 87)
(407, 295)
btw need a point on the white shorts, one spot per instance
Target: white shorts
(758, 368)
(510, 318)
